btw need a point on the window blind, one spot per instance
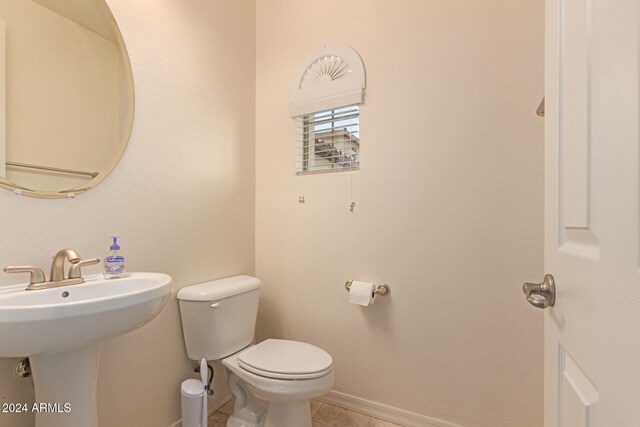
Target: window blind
(328, 141)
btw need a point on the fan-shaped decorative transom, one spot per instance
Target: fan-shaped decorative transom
(328, 67)
(332, 77)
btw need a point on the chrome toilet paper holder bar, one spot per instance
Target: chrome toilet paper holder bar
(381, 289)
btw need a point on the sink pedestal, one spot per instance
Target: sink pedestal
(60, 330)
(65, 385)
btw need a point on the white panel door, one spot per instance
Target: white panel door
(592, 213)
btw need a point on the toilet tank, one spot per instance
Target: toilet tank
(219, 317)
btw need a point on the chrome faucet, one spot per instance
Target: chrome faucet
(56, 278)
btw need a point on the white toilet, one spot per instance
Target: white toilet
(273, 381)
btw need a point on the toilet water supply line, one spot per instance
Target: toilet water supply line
(196, 369)
(203, 376)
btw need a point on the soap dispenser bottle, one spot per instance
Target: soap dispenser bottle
(113, 265)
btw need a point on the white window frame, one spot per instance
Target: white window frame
(331, 79)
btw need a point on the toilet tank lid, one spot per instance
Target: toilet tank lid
(219, 289)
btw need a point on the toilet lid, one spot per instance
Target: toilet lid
(283, 359)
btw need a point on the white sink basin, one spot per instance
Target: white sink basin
(61, 331)
(60, 319)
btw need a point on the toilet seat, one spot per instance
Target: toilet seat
(284, 359)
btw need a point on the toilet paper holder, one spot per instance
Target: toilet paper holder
(381, 289)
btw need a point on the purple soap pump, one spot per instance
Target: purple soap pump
(114, 265)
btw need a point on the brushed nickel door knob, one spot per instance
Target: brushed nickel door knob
(541, 295)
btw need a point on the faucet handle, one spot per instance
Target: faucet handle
(74, 270)
(36, 275)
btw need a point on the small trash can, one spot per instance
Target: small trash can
(192, 391)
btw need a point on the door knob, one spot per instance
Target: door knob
(541, 295)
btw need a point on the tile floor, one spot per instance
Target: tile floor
(322, 415)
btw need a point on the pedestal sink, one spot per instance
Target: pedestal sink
(61, 331)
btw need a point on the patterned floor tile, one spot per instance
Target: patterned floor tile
(334, 416)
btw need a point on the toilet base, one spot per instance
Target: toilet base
(236, 422)
(267, 402)
(288, 414)
(247, 410)
(251, 412)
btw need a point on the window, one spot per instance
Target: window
(328, 140)
(325, 100)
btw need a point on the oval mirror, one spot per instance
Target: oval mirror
(66, 95)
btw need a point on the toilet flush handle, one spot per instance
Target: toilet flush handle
(216, 305)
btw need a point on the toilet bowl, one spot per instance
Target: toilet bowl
(282, 375)
(273, 381)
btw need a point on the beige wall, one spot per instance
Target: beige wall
(3, 110)
(182, 197)
(452, 220)
(449, 205)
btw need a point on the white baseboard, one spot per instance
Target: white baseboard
(384, 412)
